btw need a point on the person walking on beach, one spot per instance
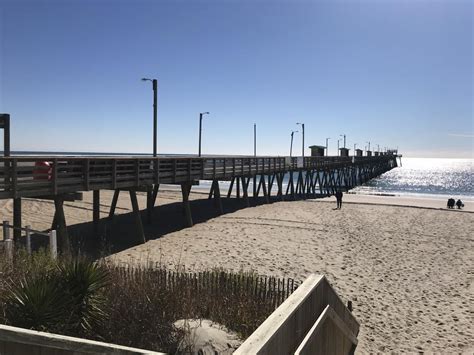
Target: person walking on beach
(339, 199)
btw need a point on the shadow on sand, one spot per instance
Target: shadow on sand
(120, 233)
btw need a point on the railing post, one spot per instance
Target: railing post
(14, 178)
(86, 174)
(7, 240)
(54, 177)
(137, 172)
(203, 163)
(28, 239)
(53, 244)
(114, 174)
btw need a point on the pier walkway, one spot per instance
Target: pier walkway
(61, 178)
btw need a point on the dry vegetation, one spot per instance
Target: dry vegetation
(130, 306)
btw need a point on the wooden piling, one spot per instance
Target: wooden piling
(60, 227)
(136, 213)
(185, 191)
(96, 210)
(17, 219)
(113, 205)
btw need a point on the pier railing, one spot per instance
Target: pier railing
(42, 175)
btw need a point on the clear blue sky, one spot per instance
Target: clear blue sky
(395, 73)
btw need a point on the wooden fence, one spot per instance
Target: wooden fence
(313, 320)
(269, 290)
(9, 243)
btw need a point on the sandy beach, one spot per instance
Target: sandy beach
(406, 264)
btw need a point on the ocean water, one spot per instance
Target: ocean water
(416, 177)
(425, 177)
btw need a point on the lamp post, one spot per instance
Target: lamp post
(327, 151)
(355, 148)
(291, 143)
(302, 144)
(368, 144)
(200, 129)
(378, 148)
(338, 146)
(155, 120)
(254, 139)
(343, 135)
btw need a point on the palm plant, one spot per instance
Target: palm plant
(67, 299)
(82, 283)
(35, 303)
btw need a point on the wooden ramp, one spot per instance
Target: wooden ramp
(313, 320)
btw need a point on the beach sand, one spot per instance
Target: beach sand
(407, 270)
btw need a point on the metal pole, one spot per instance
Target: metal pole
(200, 132)
(155, 117)
(344, 140)
(303, 142)
(254, 139)
(327, 151)
(355, 148)
(338, 147)
(291, 144)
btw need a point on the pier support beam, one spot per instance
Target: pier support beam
(136, 213)
(216, 193)
(59, 223)
(113, 205)
(185, 191)
(16, 219)
(229, 193)
(96, 210)
(245, 186)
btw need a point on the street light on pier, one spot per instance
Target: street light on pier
(291, 143)
(355, 144)
(343, 135)
(302, 145)
(155, 114)
(368, 144)
(254, 139)
(327, 151)
(338, 146)
(200, 129)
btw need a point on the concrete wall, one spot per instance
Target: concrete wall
(19, 341)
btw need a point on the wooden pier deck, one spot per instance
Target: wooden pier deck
(53, 175)
(61, 178)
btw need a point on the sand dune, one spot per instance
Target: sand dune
(408, 271)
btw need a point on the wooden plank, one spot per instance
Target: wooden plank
(25, 341)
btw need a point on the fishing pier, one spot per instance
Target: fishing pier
(63, 178)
